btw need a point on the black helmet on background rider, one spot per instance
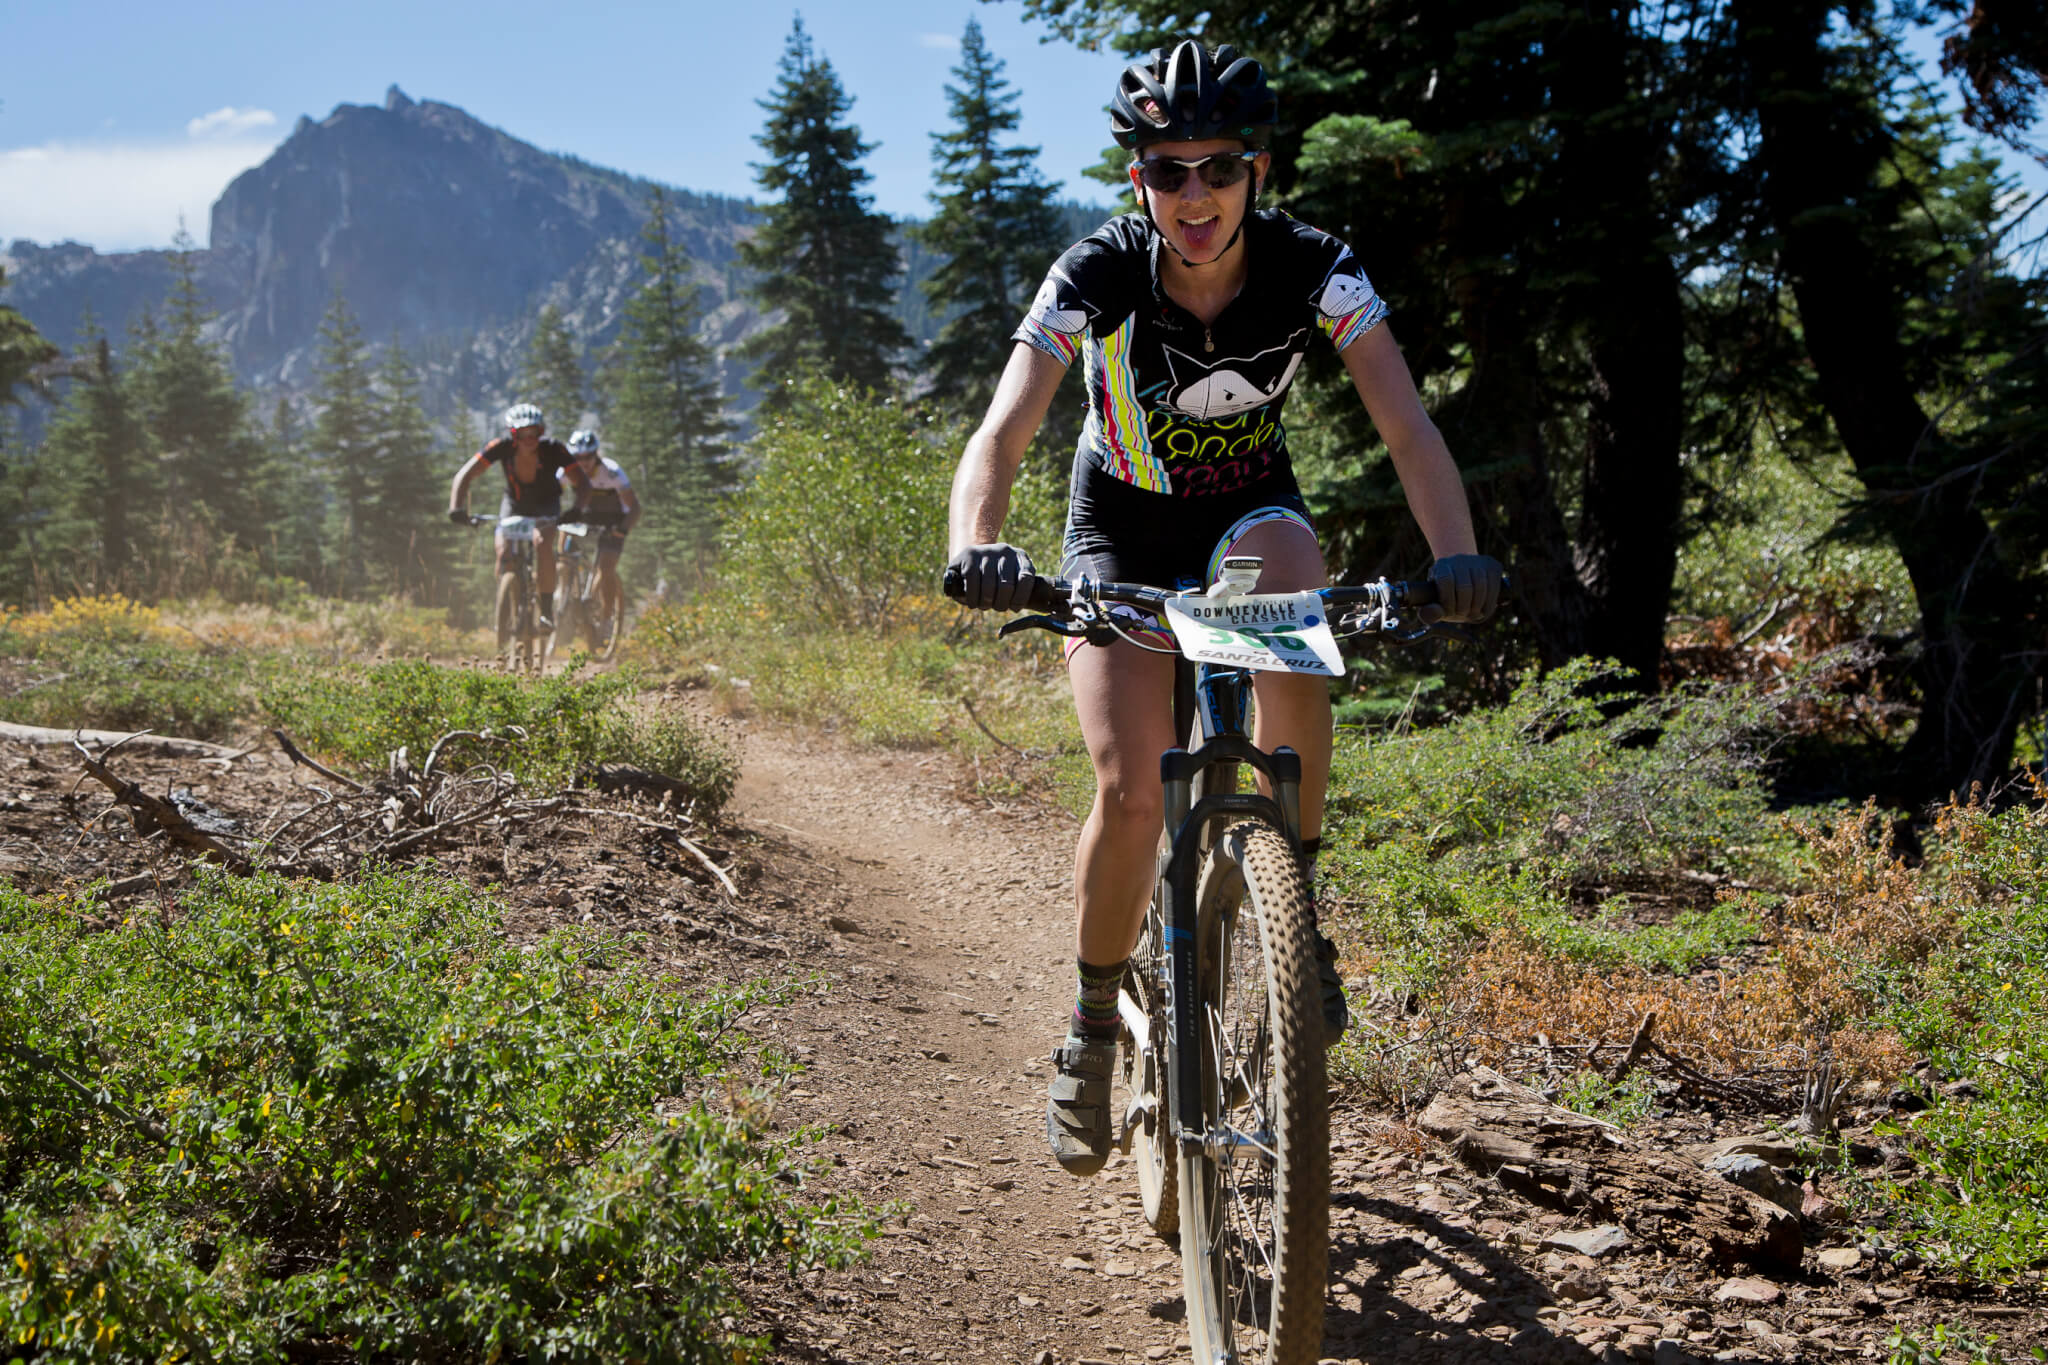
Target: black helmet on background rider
(1189, 94)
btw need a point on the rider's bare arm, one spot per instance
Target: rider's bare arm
(1429, 476)
(981, 485)
(631, 504)
(458, 491)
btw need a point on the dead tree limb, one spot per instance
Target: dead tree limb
(1574, 1163)
(153, 814)
(304, 760)
(144, 742)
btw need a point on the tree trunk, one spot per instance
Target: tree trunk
(1820, 152)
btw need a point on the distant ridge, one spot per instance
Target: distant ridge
(444, 234)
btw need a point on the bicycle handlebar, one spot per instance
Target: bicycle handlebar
(1055, 595)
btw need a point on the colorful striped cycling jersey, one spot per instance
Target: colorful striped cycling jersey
(1177, 407)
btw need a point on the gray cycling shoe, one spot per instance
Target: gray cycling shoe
(1077, 1118)
(1336, 1014)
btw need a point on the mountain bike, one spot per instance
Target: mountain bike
(579, 610)
(1223, 1037)
(522, 644)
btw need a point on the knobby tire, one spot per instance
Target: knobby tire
(1254, 1221)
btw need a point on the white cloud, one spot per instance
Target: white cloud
(119, 196)
(230, 122)
(949, 42)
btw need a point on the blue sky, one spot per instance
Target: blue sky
(118, 117)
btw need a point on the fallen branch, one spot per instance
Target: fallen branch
(982, 726)
(153, 814)
(1638, 1047)
(300, 757)
(144, 743)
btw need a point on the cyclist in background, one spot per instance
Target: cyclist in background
(605, 495)
(532, 465)
(1193, 314)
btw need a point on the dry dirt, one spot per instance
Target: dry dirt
(937, 931)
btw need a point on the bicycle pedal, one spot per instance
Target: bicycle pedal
(1136, 1112)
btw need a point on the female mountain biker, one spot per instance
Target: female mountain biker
(532, 466)
(1193, 315)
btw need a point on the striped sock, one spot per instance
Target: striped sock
(1095, 999)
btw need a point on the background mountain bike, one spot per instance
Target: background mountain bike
(580, 616)
(1223, 1046)
(522, 644)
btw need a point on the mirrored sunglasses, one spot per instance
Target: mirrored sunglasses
(1167, 174)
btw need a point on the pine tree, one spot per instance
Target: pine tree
(667, 425)
(23, 351)
(553, 378)
(402, 545)
(996, 225)
(825, 257)
(100, 484)
(297, 545)
(344, 440)
(212, 460)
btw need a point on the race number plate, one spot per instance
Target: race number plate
(1278, 632)
(519, 528)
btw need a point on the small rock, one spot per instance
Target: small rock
(840, 924)
(1075, 1263)
(1043, 1358)
(1119, 1270)
(1162, 1352)
(1840, 1260)
(1027, 1301)
(1581, 1285)
(1595, 1242)
(1759, 1177)
(1749, 1291)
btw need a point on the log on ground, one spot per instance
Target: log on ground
(1576, 1164)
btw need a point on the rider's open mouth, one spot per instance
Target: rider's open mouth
(1199, 232)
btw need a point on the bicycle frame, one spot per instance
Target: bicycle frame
(1222, 697)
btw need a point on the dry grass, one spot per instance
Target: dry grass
(1868, 910)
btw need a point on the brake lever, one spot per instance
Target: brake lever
(1094, 635)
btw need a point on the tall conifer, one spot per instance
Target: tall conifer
(107, 488)
(344, 441)
(826, 259)
(667, 425)
(996, 225)
(403, 545)
(211, 458)
(553, 377)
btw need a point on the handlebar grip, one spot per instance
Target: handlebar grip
(1420, 593)
(1045, 593)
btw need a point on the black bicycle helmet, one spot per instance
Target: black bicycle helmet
(1190, 95)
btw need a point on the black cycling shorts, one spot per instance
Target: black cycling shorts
(535, 504)
(1120, 533)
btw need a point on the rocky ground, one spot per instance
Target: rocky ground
(933, 930)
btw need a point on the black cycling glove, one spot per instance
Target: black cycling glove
(990, 577)
(458, 516)
(1468, 586)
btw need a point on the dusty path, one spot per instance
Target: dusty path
(951, 933)
(947, 940)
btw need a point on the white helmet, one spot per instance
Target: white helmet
(583, 441)
(523, 415)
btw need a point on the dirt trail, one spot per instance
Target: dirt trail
(947, 932)
(951, 942)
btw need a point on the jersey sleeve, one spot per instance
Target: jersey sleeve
(1083, 286)
(1346, 304)
(496, 452)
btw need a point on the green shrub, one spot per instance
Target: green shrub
(1676, 946)
(1624, 1103)
(572, 724)
(1974, 1008)
(134, 685)
(1565, 778)
(290, 1121)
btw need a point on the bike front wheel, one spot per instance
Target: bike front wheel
(1255, 1199)
(510, 594)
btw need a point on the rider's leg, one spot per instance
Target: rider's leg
(544, 573)
(1125, 700)
(1124, 697)
(611, 594)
